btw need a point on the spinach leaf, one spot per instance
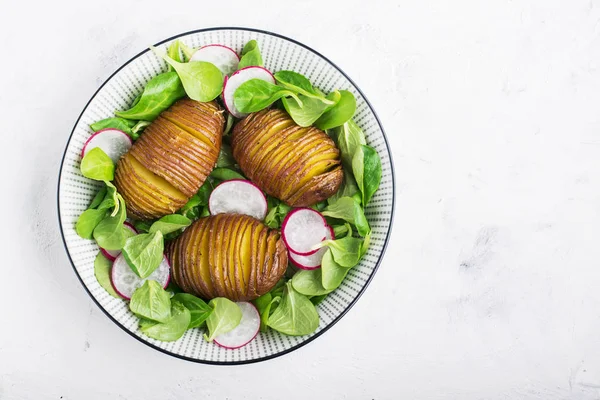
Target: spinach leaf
(88, 221)
(151, 301)
(256, 94)
(138, 128)
(102, 267)
(348, 188)
(174, 52)
(191, 208)
(110, 234)
(366, 166)
(111, 199)
(170, 223)
(349, 210)
(228, 124)
(225, 159)
(172, 329)
(296, 315)
(277, 210)
(346, 251)
(97, 165)
(308, 282)
(121, 124)
(226, 174)
(263, 305)
(250, 56)
(340, 113)
(365, 245)
(332, 273)
(142, 226)
(188, 52)
(226, 315)
(348, 138)
(342, 230)
(199, 310)
(144, 253)
(298, 83)
(98, 198)
(305, 112)
(316, 300)
(158, 95)
(201, 80)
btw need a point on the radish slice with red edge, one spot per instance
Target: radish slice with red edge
(113, 254)
(125, 281)
(113, 142)
(303, 229)
(245, 332)
(238, 196)
(312, 261)
(232, 83)
(222, 57)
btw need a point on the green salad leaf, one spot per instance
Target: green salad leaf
(342, 230)
(102, 267)
(170, 223)
(88, 221)
(226, 315)
(366, 166)
(225, 159)
(138, 128)
(97, 165)
(174, 51)
(111, 200)
(340, 113)
(201, 80)
(250, 55)
(199, 310)
(305, 112)
(256, 94)
(188, 52)
(295, 315)
(142, 226)
(299, 84)
(226, 174)
(144, 253)
(151, 301)
(98, 198)
(172, 329)
(346, 251)
(332, 273)
(111, 234)
(348, 138)
(349, 210)
(348, 188)
(159, 94)
(309, 282)
(121, 124)
(316, 300)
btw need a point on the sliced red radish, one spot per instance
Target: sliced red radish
(303, 229)
(113, 254)
(242, 334)
(312, 261)
(238, 196)
(222, 57)
(125, 281)
(235, 81)
(113, 142)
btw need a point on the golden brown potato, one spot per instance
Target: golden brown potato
(299, 165)
(228, 255)
(171, 160)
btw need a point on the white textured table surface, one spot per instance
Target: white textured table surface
(490, 288)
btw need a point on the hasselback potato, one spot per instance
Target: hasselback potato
(171, 160)
(299, 165)
(227, 255)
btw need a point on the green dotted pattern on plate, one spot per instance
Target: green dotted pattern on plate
(76, 192)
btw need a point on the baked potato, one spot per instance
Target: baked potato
(227, 255)
(171, 160)
(299, 165)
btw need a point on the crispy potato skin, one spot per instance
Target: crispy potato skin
(171, 160)
(190, 256)
(300, 166)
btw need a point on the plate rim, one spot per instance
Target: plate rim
(332, 323)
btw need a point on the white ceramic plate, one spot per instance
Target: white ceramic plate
(75, 192)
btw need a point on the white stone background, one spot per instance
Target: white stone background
(490, 285)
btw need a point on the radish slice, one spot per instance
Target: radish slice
(223, 57)
(242, 334)
(312, 261)
(113, 142)
(238, 196)
(302, 229)
(113, 254)
(235, 81)
(125, 281)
